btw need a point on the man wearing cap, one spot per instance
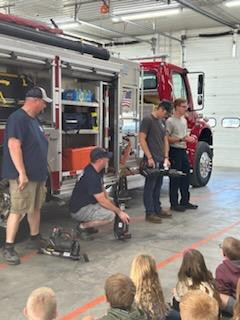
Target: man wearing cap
(25, 166)
(154, 143)
(89, 203)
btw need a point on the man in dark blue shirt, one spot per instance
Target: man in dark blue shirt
(89, 203)
(25, 166)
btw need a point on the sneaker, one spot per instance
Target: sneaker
(10, 256)
(164, 214)
(153, 218)
(178, 208)
(36, 244)
(84, 234)
(190, 206)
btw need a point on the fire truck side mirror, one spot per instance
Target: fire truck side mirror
(200, 84)
(200, 100)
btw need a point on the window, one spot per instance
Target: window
(212, 122)
(231, 123)
(179, 88)
(149, 80)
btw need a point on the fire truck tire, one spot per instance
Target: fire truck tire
(23, 230)
(203, 165)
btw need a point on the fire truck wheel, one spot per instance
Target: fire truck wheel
(23, 230)
(203, 165)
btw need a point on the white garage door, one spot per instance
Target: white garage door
(214, 56)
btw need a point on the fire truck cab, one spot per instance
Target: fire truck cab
(163, 80)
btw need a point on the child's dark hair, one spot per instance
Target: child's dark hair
(194, 267)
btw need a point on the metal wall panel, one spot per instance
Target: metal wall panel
(214, 56)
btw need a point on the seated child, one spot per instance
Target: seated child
(120, 292)
(149, 294)
(194, 275)
(41, 305)
(198, 305)
(228, 273)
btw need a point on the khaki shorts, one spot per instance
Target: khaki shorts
(29, 199)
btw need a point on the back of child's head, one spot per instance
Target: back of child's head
(194, 267)
(120, 291)
(198, 305)
(143, 268)
(41, 305)
(149, 295)
(231, 248)
(236, 308)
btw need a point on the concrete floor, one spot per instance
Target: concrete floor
(79, 285)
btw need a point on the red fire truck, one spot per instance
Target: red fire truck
(163, 80)
(85, 82)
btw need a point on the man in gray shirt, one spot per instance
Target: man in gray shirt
(178, 138)
(154, 142)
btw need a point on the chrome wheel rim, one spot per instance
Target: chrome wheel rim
(205, 165)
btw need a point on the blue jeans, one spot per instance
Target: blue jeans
(151, 193)
(179, 161)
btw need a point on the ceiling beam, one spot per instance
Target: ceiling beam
(207, 14)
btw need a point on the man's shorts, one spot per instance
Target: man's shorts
(93, 212)
(27, 200)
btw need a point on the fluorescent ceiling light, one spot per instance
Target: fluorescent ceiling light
(233, 3)
(146, 15)
(148, 8)
(70, 25)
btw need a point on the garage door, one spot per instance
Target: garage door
(215, 56)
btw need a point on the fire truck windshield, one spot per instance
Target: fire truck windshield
(149, 80)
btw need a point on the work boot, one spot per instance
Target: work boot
(36, 243)
(84, 234)
(92, 230)
(153, 218)
(190, 206)
(10, 256)
(164, 214)
(178, 208)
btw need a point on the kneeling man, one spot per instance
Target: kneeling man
(89, 203)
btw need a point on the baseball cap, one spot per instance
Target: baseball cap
(38, 92)
(99, 153)
(166, 104)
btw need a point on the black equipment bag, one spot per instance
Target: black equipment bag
(64, 244)
(13, 88)
(76, 121)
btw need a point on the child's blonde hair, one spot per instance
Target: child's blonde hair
(41, 304)
(149, 295)
(198, 305)
(231, 248)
